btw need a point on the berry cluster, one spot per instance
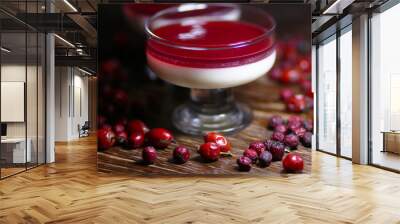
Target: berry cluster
(263, 153)
(291, 132)
(293, 67)
(214, 145)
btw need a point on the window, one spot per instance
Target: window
(327, 95)
(385, 89)
(346, 92)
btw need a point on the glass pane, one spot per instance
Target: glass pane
(13, 86)
(31, 98)
(327, 96)
(41, 98)
(385, 84)
(346, 94)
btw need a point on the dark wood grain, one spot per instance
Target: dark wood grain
(262, 96)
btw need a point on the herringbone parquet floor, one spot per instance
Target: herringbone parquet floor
(71, 191)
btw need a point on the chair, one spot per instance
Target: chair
(84, 129)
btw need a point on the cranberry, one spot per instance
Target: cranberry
(299, 132)
(309, 102)
(105, 138)
(136, 139)
(306, 140)
(111, 66)
(121, 138)
(107, 91)
(106, 126)
(306, 87)
(160, 138)
(275, 74)
(281, 128)
(304, 64)
(220, 140)
(149, 155)
(285, 94)
(244, 163)
(277, 136)
(268, 144)
(101, 120)
(290, 76)
(293, 162)
(277, 150)
(308, 125)
(120, 97)
(293, 126)
(257, 146)
(291, 140)
(265, 159)
(252, 154)
(209, 151)
(181, 154)
(274, 121)
(296, 103)
(118, 127)
(137, 126)
(295, 118)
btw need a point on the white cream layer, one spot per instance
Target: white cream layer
(210, 78)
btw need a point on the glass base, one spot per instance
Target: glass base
(189, 120)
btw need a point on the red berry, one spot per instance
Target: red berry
(121, 138)
(257, 146)
(105, 138)
(244, 163)
(291, 140)
(274, 121)
(219, 139)
(308, 125)
(297, 104)
(304, 64)
(252, 154)
(285, 94)
(275, 74)
(137, 126)
(277, 150)
(209, 151)
(306, 86)
(293, 163)
(268, 144)
(265, 159)
(295, 118)
(118, 127)
(160, 138)
(121, 97)
(290, 76)
(278, 136)
(306, 140)
(136, 139)
(110, 66)
(300, 132)
(181, 154)
(281, 128)
(149, 155)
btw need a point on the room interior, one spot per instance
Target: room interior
(48, 150)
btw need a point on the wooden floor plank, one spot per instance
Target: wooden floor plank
(72, 191)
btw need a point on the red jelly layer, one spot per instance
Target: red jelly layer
(223, 43)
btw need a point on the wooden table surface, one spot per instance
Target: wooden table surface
(262, 96)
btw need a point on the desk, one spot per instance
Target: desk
(391, 141)
(13, 150)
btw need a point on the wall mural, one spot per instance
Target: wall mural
(204, 89)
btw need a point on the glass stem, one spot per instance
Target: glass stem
(211, 101)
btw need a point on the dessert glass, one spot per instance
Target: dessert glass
(210, 48)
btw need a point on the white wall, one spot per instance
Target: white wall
(70, 84)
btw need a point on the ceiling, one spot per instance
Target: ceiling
(76, 21)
